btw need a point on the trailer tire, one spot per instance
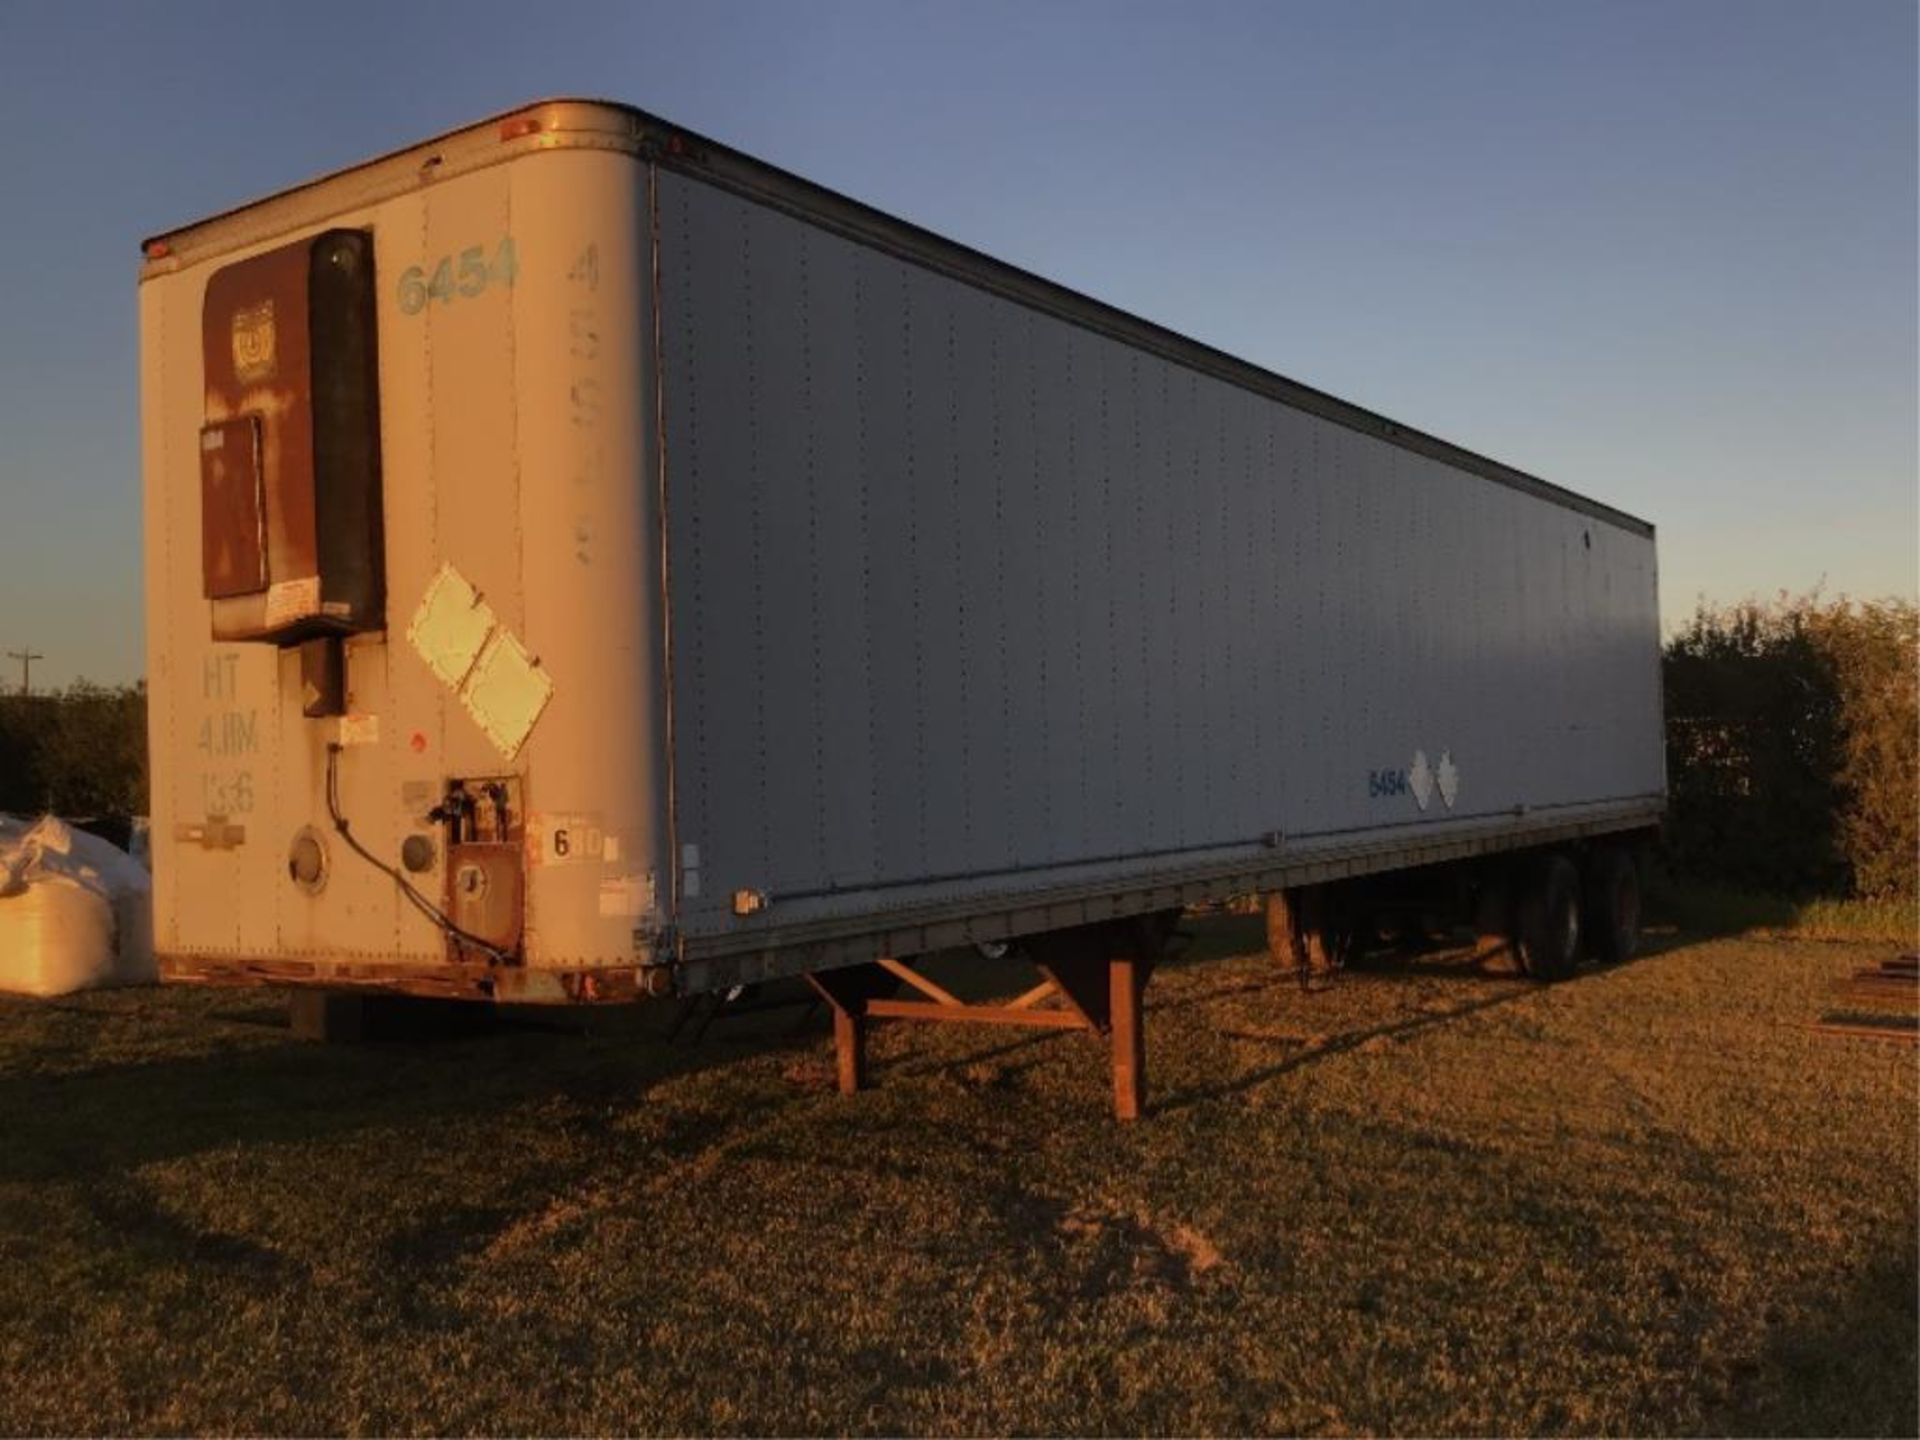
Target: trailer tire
(1547, 919)
(1612, 919)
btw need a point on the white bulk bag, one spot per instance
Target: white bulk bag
(76, 911)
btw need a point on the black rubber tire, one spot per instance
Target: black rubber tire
(1612, 919)
(1547, 919)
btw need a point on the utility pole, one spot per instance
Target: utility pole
(26, 659)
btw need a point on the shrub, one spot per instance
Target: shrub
(1875, 657)
(81, 751)
(1791, 746)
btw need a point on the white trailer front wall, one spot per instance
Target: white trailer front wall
(512, 450)
(962, 591)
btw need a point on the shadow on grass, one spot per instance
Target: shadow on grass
(1852, 1369)
(1710, 912)
(1312, 1053)
(1393, 968)
(96, 1124)
(99, 1123)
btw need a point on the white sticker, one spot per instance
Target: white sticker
(1449, 778)
(690, 884)
(451, 626)
(505, 692)
(566, 839)
(359, 730)
(290, 600)
(627, 896)
(1420, 779)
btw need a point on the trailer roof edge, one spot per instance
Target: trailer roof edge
(575, 123)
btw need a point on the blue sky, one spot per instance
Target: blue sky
(1664, 254)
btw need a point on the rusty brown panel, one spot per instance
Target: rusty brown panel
(612, 985)
(486, 885)
(256, 353)
(402, 978)
(486, 894)
(233, 518)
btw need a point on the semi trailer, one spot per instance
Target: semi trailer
(585, 562)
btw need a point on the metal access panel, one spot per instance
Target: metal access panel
(290, 443)
(233, 508)
(966, 595)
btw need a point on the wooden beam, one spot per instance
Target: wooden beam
(852, 991)
(1034, 996)
(850, 1050)
(976, 1014)
(920, 982)
(1075, 961)
(1099, 971)
(1126, 982)
(1284, 940)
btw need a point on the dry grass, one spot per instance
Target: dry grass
(1717, 910)
(1428, 1200)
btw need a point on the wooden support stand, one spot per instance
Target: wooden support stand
(327, 1017)
(1094, 979)
(1309, 930)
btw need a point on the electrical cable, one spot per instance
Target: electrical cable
(420, 902)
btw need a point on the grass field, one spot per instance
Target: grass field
(1428, 1199)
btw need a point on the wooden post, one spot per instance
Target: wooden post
(849, 991)
(327, 1016)
(850, 1044)
(1284, 942)
(1125, 982)
(1072, 961)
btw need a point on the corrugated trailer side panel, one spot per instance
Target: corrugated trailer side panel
(962, 590)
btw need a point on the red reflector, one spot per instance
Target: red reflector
(520, 125)
(156, 249)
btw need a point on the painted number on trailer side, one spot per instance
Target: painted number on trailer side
(1382, 783)
(565, 839)
(456, 277)
(227, 794)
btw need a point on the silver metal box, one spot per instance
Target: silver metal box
(825, 589)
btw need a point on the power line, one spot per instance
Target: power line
(26, 659)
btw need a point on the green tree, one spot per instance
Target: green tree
(1791, 746)
(80, 752)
